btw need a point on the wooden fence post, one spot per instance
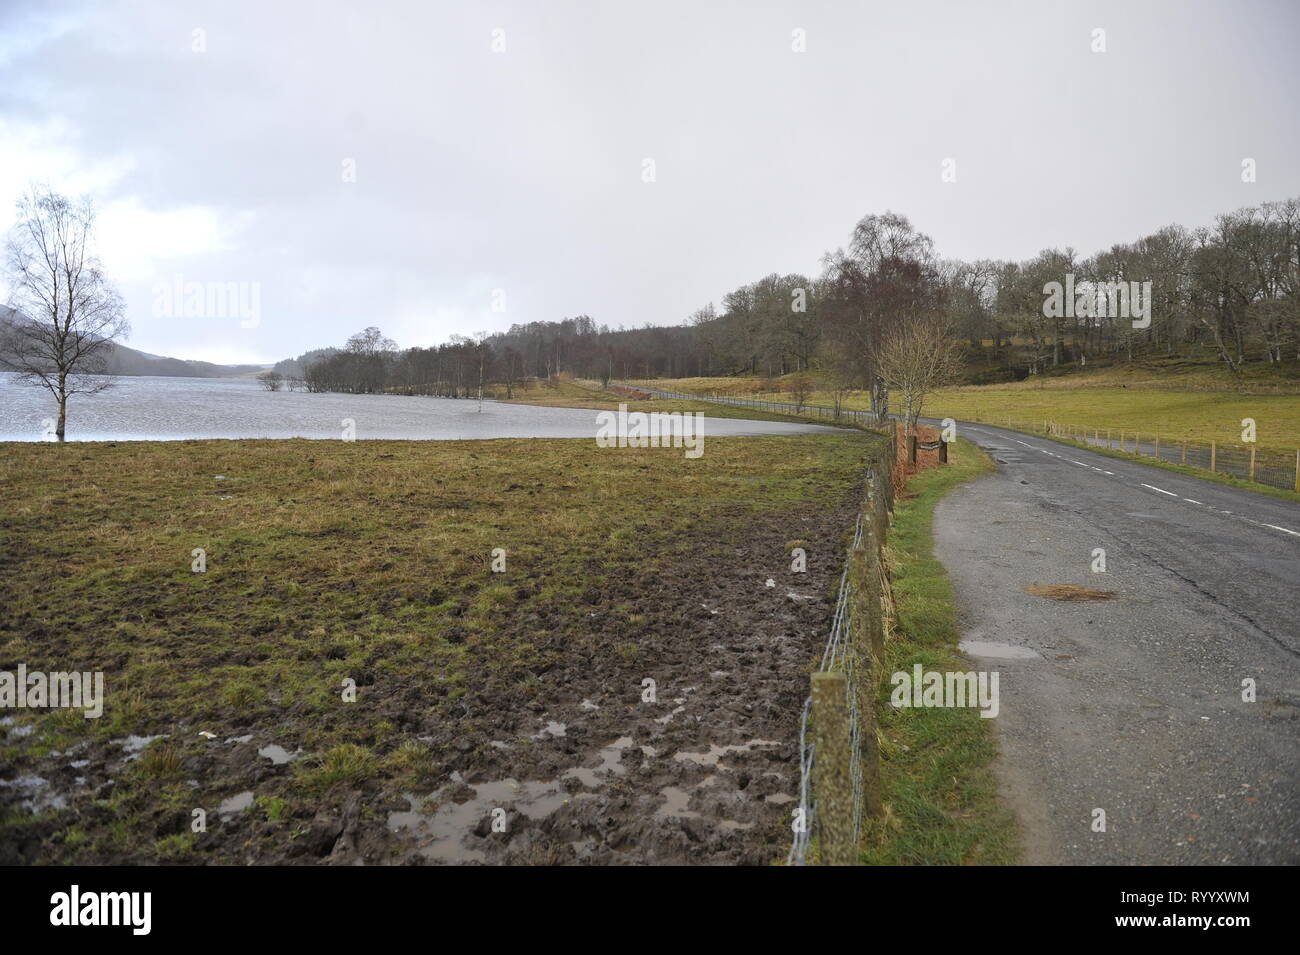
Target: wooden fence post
(832, 783)
(1213, 455)
(1297, 471)
(1184, 458)
(1252, 462)
(868, 646)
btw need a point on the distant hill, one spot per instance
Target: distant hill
(132, 362)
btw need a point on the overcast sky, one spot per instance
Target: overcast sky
(523, 170)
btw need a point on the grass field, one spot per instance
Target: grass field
(590, 394)
(367, 561)
(1176, 401)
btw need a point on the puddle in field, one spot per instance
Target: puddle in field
(610, 764)
(675, 803)
(235, 804)
(133, 746)
(997, 651)
(716, 752)
(441, 827)
(277, 754)
(35, 794)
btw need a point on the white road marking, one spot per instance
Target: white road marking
(1161, 490)
(1284, 530)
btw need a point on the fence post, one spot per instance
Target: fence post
(1157, 444)
(1297, 471)
(867, 633)
(1184, 457)
(832, 785)
(1252, 462)
(1213, 455)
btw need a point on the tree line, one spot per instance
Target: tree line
(1229, 289)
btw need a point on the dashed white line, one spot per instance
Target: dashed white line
(1161, 490)
(1284, 530)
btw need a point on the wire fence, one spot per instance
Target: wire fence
(1246, 462)
(1279, 469)
(839, 753)
(863, 419)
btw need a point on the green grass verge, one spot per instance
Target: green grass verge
(939, 790)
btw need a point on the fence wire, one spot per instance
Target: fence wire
(837, 657)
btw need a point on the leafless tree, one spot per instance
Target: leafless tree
(271, 380)
(66, 313)
(801, 387)
(920, 356)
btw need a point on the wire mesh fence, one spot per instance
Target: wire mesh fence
(839, 757)
(1279, 469)
(1270, 467)
(837, 657)
(861, 418)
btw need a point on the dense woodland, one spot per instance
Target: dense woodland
(1229, 290)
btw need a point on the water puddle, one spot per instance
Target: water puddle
(441, 832)
(133, 746)
(610, 764)
(716, 752)
(997, 651)
(235, 804)
(278, 755)
(675, 803)
(34, 793)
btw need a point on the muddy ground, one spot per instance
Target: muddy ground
(577, 764)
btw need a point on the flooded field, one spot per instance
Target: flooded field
(174, 409)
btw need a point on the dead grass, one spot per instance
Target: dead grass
(1069, 592)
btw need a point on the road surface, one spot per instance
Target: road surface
(1133, 705)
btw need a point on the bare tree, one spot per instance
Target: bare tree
(66, 313)
(801, 387)
(271, 380)
(919, 357)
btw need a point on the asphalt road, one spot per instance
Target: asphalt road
(1133, 705)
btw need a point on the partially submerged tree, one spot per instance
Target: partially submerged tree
(66, 313)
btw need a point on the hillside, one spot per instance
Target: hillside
(127, 361)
